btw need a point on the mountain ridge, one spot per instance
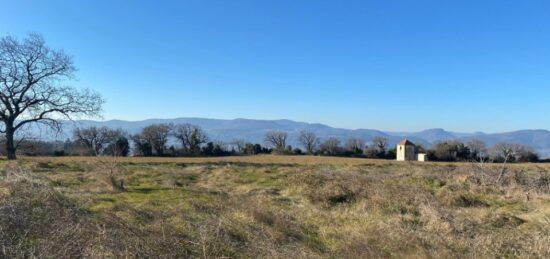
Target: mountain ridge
(254, 130)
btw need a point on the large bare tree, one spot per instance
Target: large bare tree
(32, 89)
(96, 139)
(309, 141)
(190, 136)
(276, 139)
(157, 136)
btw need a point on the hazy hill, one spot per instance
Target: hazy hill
(254, 131)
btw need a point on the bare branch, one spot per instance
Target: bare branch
(277, 139)
(31, 90)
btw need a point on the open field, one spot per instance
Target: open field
(269, 159)
(258, 159)
(272, 207)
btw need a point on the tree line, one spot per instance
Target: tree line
(153, 140)
(311, 144)
(191, 140)
(476, 150)
(378, 147)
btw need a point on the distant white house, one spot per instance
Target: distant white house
(406, 151)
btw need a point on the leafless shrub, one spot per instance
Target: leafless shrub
(542, 183)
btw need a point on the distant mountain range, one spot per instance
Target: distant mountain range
(254, 131)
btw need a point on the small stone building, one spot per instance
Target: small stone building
(421, 157)
(406, 151)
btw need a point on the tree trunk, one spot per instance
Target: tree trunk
(10, 145)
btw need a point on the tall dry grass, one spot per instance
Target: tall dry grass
(233, 209)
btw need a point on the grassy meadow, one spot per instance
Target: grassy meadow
(272, 207)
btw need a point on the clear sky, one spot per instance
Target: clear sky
(391, 65)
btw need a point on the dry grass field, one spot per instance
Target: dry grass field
(272, 207)
(258, 159)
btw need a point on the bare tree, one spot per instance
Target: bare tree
(239, 145)
(526, 154)
(504, 152)
(119, 147)
(276, 139)
(157, 136)
(142, 147)
(380, 143)
(96, 139)
(308, 140)
(355, 145)
(450, 150)
(31, 89)
(190, 136)
(331, 147)
(253, 149)
(510, 152)
(478, 150)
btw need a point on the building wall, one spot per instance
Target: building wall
(422, 157)
(400, 151)
(405, 153)
(410, 154)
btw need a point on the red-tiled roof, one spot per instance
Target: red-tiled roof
(405, 142)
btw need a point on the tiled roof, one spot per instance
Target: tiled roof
(405, 142)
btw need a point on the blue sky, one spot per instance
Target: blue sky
(391, 65)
